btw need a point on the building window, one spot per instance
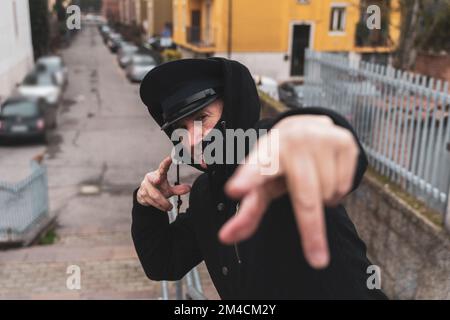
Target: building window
(337, 19)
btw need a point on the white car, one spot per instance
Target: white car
(55, 65)
(139, 66)
(125, 53)
(267, 85)
(41, 85)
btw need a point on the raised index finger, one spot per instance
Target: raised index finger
(304, 190)
(260, 166)
(164, 166)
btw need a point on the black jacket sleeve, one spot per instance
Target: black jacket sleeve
(167, 251)
(338, 120)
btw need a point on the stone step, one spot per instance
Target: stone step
(40, 272)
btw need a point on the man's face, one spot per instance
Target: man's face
(208, 118)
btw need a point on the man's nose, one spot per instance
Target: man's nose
(195, 138)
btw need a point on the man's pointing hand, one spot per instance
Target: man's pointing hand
(317, 161)
(155, 188)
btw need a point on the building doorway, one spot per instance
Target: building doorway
(300, 41)
(195, 26)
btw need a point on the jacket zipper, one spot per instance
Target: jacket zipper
(236, 249)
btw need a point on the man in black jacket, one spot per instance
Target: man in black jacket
(291, 239)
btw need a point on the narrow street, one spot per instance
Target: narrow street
(105, 142)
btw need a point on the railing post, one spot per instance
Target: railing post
(193, 290)
(22, 204)
(447, 212)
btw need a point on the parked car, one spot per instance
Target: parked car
(24, 117)
(55, 65)
(157, 56)
(159, 44)
(94, 20)
(291, 93)
(125, 53)
(105, 31)
(267, 85)
(111, 34)
(41, 84)
(114, 41)
(139, 65)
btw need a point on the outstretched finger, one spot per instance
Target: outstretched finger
(260, 167)
(164, 167)
(159, 200)
(244, 224)
(304, 189)
(252, 208)
(181, 189)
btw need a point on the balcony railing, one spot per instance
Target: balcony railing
(365, 37)
(200, 37)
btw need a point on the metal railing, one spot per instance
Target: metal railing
(201, 37)
(401, 119)
(23, 204)
(190, 287)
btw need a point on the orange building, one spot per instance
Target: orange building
(110, 10)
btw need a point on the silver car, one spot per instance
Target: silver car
(41, 84)
(125, 53)
(55, 65)
(138, 67)
(291, 93)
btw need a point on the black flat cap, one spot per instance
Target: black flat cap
(179, 88)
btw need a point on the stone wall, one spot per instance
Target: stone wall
(412, 252)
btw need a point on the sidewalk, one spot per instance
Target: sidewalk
(108, 271)
(106, 140)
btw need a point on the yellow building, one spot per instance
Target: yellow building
(270, 36)
(153, 15)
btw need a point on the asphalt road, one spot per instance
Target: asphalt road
(105, 137)
(107, 141)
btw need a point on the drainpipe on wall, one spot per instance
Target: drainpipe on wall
(230, 28)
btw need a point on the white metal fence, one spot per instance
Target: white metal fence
(23, 204)
(401, 119)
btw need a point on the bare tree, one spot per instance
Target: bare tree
(423, 28)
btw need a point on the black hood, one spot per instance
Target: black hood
(241, 101)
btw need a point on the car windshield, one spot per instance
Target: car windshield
(19, 108)
(39, 79)
(52, 64)
(143, 60)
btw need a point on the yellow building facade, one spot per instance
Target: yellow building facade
(154, 15)
(270, 36)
